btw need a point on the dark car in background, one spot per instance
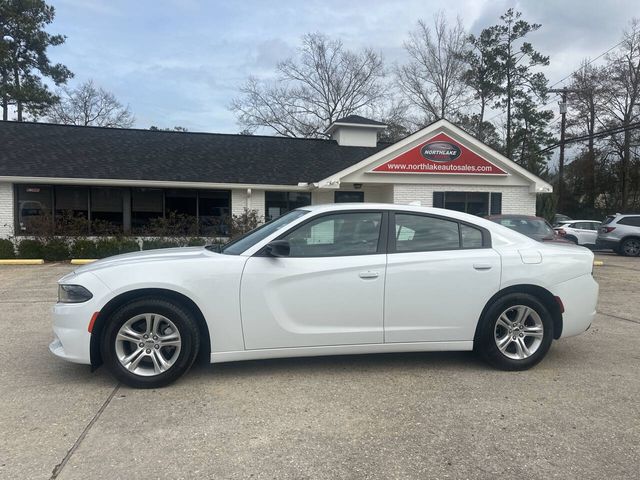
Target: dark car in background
(533, 227)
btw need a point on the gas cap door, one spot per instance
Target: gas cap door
(530, 256)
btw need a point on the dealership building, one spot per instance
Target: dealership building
(128, 177)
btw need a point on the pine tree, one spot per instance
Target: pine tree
(24, 61)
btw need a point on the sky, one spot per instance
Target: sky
(180, 62)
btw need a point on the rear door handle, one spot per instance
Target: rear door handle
(482, 266)
(368, 274)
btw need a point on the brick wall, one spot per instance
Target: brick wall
(240, 200)
(514, 199)
(6, 210)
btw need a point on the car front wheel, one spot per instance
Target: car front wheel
(150, 342)
(516, 332)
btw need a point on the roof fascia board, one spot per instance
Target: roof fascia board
(333, 126)
(148, 183)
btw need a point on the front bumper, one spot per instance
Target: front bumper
(71, 336)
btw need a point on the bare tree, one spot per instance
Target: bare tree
(622, 98)
(433, 79)
(324, 83)
(585, 98)
(90, 105)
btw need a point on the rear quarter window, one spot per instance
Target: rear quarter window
(631, 221)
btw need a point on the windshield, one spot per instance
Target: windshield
(256, 235)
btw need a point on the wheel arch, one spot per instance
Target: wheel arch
(165, 294)
(572, 238)
(542, 294)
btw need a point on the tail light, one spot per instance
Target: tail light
(608, 229)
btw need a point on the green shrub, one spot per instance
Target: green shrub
(83, 248)
(7, 250)
(159, 243)
(108, 247)
(196, 242)
(56, 250)
(30, 249)
(127, 245)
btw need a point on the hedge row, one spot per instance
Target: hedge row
(58, 249)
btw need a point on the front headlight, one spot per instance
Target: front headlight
(73, 294)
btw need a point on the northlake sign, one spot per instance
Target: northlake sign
(440, 155)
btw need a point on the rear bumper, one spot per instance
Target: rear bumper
(606, 244)
(579, 297)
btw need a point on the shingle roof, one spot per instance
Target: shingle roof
(357, 119)
(47, 150)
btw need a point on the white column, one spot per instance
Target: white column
(6, 210)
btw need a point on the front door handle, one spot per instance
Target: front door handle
(368, 274)
(482, 266)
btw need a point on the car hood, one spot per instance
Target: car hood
(159, 255)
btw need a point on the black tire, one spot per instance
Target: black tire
(486, 341)
(630, 247)
(178, 315)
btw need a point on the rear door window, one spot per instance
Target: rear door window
(419, 233)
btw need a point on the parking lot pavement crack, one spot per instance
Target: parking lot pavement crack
(59, 467)
(619, 318)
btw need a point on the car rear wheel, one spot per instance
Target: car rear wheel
(630, 247)
(516, 332)
(150, 342)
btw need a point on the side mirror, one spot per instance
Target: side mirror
(278, 248)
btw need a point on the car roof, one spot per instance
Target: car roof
(574, 221)
(506, 216)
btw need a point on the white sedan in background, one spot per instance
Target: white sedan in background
(323, 280)
(580, 232)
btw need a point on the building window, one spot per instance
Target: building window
(277, 203)
(109, 210)
(34, 203)
(106, 209)
(475, 203)
(181, 202)
(214, 208)
(71, 202)
(146, 204)
(348, 197)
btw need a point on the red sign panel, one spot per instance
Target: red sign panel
(440, 154)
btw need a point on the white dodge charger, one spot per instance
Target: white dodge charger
(323, 280)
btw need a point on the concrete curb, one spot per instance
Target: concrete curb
(22, 261)
(82, 261)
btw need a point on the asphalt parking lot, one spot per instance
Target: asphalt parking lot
(445, 415)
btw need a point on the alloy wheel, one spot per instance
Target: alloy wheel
(631, 247)
(148, 344)
(518, 332)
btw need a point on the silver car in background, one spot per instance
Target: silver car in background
(620, 233)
